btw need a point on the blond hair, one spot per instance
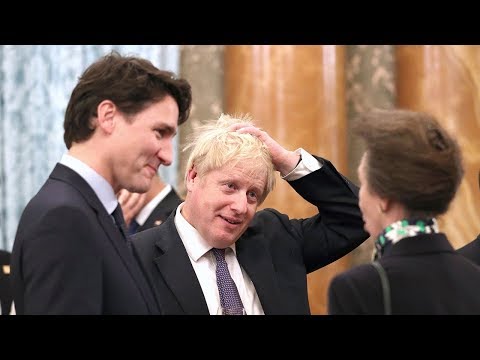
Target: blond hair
(215, 145)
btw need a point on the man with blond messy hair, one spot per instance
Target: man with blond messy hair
(217, 235)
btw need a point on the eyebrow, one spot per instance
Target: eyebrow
(258, 190)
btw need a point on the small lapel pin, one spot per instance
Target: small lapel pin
(6, 269)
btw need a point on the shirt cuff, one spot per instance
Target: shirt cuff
(307, 165)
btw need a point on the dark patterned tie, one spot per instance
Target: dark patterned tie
(132, 228)
(229, 297)
(119, 221)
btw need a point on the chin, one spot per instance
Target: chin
(374, 234)
(223, 243)
(138, 188)
(144, 185)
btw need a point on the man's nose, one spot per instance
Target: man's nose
(165, 153)
(240, 203)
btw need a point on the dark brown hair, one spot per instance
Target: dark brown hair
(130, 82)
(411, 159)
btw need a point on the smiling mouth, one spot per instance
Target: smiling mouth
(152, 168)
(231, 221)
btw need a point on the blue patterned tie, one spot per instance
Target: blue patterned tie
(229, 297)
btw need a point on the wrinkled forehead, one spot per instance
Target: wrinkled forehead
(249, 170)
(252, 168)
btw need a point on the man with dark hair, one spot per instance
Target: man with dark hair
(71, 254)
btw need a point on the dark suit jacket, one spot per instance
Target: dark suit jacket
(162, 211)
(472, 250)
(275, 251)
(426, 276)
(5, 289)
(70, 258)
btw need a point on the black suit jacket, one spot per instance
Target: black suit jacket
(5, 289)
(275, 251)
(426, 276)
(472, 250)
(162, 211)
(70, 258)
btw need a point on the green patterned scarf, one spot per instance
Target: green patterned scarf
(402, 229)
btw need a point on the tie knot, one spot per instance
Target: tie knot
(219, 254)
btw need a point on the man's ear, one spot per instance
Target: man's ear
(106, 111)
(191, 177)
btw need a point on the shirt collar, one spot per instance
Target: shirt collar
(100, 186)
(194, 243)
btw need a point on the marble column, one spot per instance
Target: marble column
(370, 75)
(445, 81)
(202, 65)
(297, 94)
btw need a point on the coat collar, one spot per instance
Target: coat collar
(257, 261)
(177, 271)
(421, 244)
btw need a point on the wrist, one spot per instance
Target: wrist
(297, 159)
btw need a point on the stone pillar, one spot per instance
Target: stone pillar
(202, 65)
(370, 84)
(297, 94)
(445, 81)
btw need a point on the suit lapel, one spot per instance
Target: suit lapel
(66, 174)
(256, 260)
(177, 271)
(125, 254)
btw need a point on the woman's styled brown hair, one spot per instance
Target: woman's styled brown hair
(411, 159)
